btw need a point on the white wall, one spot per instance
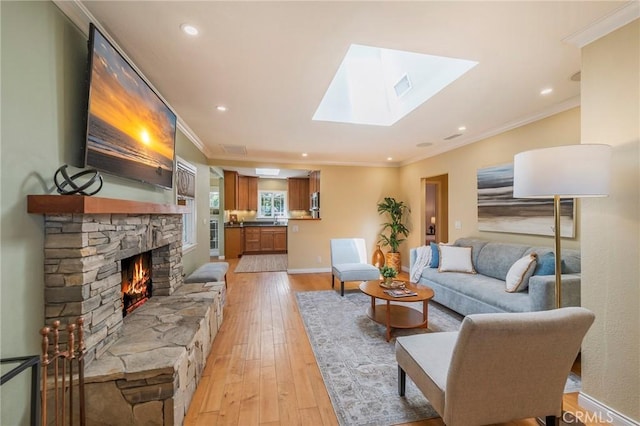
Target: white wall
(462, 164)
(610, 226)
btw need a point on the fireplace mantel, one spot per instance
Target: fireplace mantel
(82, 204)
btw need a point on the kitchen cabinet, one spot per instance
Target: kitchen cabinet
(314, 181)
(230, 190)
(298, 193)
(240, 192)
(247, 193)
(265, 239)
(252, 239)
(233, 242)
(252, 189)
(280, 240)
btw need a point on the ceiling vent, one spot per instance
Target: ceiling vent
(234, 149)
(402, 86)
(448, 138)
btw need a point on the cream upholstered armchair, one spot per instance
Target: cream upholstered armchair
(498, 367)
(349, 262)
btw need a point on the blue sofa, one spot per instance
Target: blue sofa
(484, 292)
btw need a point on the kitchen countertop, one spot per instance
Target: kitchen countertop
(254, 224)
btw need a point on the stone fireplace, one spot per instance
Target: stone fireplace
(83, 269)
(143, 367)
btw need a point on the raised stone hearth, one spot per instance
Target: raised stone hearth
(149, 375)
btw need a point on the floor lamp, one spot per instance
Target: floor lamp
(570, 171)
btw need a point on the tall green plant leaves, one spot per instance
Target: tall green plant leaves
(394, 230)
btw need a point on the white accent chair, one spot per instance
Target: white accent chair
(349, 262)
(498, 367)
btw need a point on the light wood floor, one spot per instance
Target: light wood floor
(261, 369)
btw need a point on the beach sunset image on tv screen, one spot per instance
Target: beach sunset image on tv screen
(130, 130)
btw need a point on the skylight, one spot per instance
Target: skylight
(378, 86)
(268, 172)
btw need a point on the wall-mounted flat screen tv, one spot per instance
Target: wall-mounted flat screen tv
(130, 130)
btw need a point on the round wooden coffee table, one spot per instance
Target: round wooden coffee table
(397, 316)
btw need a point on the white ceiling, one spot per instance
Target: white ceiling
(271, 62)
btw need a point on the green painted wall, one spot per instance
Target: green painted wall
(200, 253)
(42, 69)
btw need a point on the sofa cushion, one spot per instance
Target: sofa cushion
(480, 287)
(455, 259)
(520, 272)
(495, 259)
(209, 272)
(475, 244)
(570, 259)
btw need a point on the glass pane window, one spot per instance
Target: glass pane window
(214, 200)
(188, 223)
(185, 186)
(272, 204)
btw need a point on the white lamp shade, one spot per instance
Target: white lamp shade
(567, 171)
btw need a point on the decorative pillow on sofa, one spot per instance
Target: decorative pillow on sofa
(547, 265)
(520, 272)
(455, 259)
(435, 256)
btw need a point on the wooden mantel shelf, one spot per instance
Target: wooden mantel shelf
(82, 204)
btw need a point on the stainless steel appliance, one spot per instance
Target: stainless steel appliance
(315, 202)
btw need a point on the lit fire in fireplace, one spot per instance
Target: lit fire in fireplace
(136, 282)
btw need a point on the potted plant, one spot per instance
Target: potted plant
(393, 231)
(388, 273)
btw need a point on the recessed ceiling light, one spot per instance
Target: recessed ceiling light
(462, 128)
(424, 144)
(546, 91)
(189, 29)
(221, 108)
(304, 154)
(389, 158)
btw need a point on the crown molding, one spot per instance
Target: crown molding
(548, 112)
(78, 14)
(605, 25)
(190, 134)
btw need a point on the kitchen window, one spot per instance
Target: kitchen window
(272, 204)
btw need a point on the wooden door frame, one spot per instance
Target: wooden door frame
(442, 208)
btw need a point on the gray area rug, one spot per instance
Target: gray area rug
(262, 263)
(357, 363)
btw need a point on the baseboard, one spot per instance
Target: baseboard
(603, 413)
(307, 271)
(405, 269)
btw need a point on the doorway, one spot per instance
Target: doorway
(436, 209)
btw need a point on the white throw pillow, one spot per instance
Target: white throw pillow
(455, 259)
(520, 272)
